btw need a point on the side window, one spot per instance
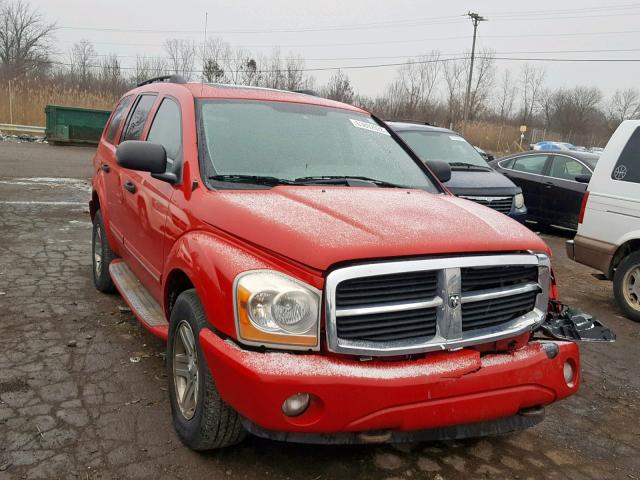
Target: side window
(507, 163)
(566, 168)
(530, 164)
(116, 118)
(138, 117)
(627, 169)
(166, 129)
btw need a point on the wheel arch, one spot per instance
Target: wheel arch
(629, 246)
(209, 264)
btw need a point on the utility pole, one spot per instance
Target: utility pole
(475, 19)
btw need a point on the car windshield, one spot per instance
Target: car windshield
(246, 141)
(447, 146)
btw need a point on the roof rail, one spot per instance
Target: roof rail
(417, 122)
(179, 79)
(306, 92)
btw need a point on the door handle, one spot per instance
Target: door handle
(130, 186)
(105, 168)
(548, 184)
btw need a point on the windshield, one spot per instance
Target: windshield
(447, 146)
(293, 141)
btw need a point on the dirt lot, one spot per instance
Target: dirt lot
(83, 391)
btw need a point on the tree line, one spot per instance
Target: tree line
(428, 88)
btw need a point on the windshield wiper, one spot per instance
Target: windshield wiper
(469, 166)
(344, 180)
(251, 179)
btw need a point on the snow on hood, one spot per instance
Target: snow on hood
(321, 226)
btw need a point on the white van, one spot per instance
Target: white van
(608, 237)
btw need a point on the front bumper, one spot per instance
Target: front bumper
(440, 390)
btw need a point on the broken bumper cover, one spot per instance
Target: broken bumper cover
(440, 391)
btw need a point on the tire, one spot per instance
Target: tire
(101, 255)
(626, 286)
(207, 422)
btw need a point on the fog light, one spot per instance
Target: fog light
(569, 374)
(296, 404)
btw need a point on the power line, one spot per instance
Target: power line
(398, 64)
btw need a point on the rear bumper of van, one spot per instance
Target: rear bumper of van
(591, 252)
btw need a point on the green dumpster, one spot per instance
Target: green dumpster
(74, 125)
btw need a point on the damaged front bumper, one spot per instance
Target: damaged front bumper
(449, 394)
(567, 323)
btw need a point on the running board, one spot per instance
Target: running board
(142, 304)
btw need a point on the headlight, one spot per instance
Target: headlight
(277, 310)
(519, 201)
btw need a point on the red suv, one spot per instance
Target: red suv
(313, 279)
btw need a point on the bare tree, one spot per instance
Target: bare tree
(213, 55)
(110, 74)
(149, 67)
(417, 79)
(455, 77)
(181, 56)
(506, 96)
(573, 110)
(339, 88)
(483, 80)
(624, 105)
(25, 40)
(83, 60)
(531, 84)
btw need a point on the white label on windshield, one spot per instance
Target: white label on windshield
(457, 138)
(369, 126)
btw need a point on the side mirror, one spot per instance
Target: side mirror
(142, 156)
(440, 168)
(583, 178)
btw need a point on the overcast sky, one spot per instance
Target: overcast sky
(332, 33)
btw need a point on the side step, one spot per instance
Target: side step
(142, 304)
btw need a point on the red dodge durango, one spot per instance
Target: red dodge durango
(314, 280)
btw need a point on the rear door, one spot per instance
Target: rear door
(527, 172)
(563, 195)
(108, 168)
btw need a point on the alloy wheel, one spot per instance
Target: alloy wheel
(185, 370)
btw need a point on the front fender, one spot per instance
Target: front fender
(212, 264)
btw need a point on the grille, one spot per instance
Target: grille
(485, 278)
(389, 326)
(404, 287)
(414, 306)
(497, 311)
(501, 204)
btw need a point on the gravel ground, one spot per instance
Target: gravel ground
(83, 389)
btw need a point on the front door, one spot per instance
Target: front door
(527, 172)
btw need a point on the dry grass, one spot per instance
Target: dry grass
(29, 100)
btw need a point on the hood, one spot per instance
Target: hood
(322, 226)
(480, 183)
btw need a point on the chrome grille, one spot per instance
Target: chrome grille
(381, 289)
(501, 204)
(417, 306)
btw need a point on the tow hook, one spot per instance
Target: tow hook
(567, 323)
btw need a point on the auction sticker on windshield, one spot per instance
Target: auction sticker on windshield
(368, 126)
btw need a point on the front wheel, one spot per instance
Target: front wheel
(201, 418)
(626, 286)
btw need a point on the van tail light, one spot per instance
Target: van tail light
(583, 207)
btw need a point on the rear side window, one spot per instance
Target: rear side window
(138, 117)
(530, 164)
(116, 119)
(567, 168)
(166, 129)
(627, 168)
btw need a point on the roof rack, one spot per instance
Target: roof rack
(179, 79)
(306, 92)
(417, 122)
